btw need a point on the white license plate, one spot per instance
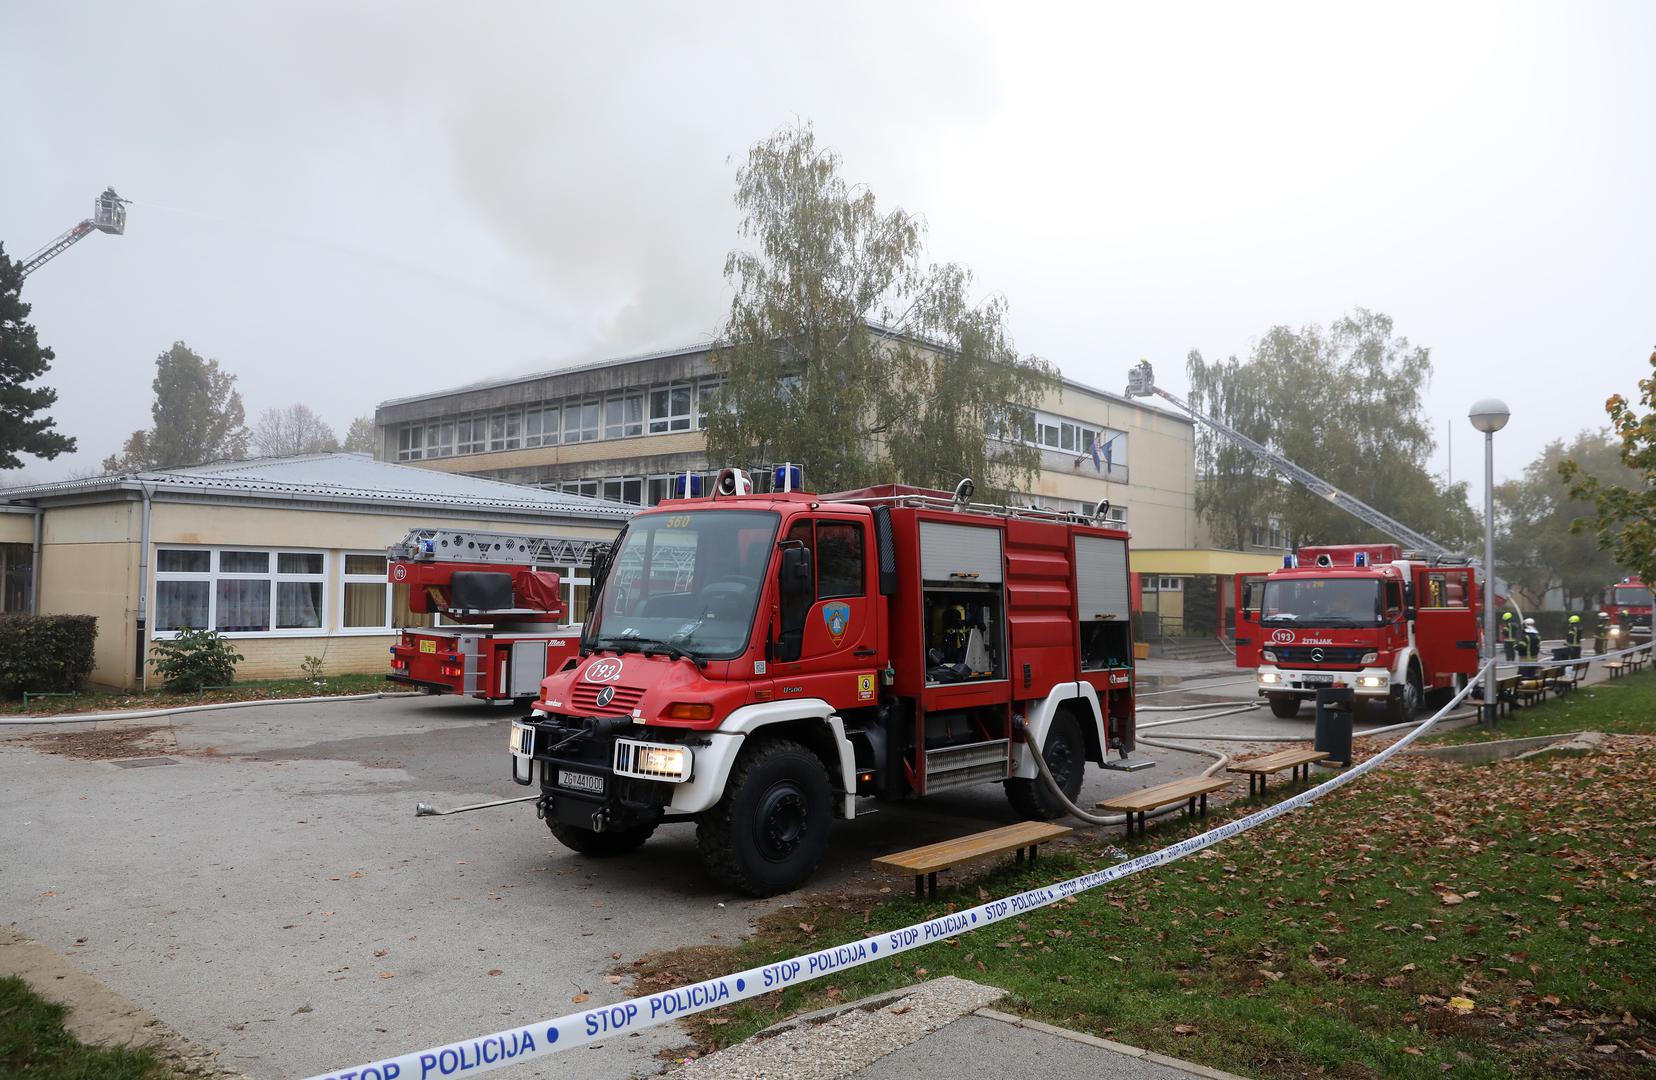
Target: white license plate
(523, 739)
(580, 781)
(1317, 680)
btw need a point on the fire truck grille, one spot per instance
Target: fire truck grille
(1319, 654)
(585, 699)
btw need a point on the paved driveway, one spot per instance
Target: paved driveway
(272, 894)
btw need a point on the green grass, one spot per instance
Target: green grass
(1328, 942)
(34, 1044)
(251, 690)
(1625, 706)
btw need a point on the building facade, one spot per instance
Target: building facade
(284, 556)
(623, 429)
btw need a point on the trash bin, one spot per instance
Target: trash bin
(1334, 719)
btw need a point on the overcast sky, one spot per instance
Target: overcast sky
(346, 202)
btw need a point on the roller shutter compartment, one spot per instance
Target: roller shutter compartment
(959, 553)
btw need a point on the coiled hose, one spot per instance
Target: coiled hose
(1221, 760)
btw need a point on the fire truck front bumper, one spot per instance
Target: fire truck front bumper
(1365, 682)
(602, 777)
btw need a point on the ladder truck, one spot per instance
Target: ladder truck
(504, 617)
(1387, 622)
(108, 216)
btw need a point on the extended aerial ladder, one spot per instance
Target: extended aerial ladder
(1141, 382)
(108, 215)
(457, 545)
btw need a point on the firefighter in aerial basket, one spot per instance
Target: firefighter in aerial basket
(1572, 637)
(1507, 641)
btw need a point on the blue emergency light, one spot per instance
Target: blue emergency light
(1290, 562)
(687, 486)
(1360, 559)
(788, 478)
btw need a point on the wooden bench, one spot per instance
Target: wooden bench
(1570, 677)
(1141, 803)
(1506, 693)
(1615, 668)
(926, 862)
(1260, 767)
(1532, 688)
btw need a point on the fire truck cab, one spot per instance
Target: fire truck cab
(1627, 607)
(1360, 616)
(759, 663)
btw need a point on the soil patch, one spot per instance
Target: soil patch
(103, 744)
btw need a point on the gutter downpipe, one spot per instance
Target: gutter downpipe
(34, 569)
(143, 588)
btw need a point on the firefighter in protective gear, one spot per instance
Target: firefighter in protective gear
(1572, 636)
(1505, 634)
(1603, 643)
(1530, 647)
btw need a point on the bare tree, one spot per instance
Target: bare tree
(293, 430)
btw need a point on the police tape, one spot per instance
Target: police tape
(471, 1057)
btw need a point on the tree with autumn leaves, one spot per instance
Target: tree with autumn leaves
(1625, 523)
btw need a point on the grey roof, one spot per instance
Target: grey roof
(513, 380)
(348, 478)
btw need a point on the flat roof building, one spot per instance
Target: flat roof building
(622, 429)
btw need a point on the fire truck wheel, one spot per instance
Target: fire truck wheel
(1407, 701)
(609, 842)
(769, 831)
(1066, 755)
(1284, 706)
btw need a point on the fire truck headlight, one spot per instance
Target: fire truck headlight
(1269, 677)
(522, 740)
(1371, 680)
(1268, 655)
(1369, 658)
(653, 761)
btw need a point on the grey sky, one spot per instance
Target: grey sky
(349, 202)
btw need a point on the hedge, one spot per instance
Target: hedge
(45, 653)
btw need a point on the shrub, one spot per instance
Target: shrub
(45, 653)
(311, 668)
(194, 660)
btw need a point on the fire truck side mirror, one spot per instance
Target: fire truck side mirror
(796, 589)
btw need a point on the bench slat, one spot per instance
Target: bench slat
(941, 856)
(1283, 759)
(1176, 791)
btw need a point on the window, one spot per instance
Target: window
(238, 590)
(580, 421)
(364, 603)
(670, 408)
(707, 398)
(840, 559)
(623, 416)
(411, 442)
(473, 434)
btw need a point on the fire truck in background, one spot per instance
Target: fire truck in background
(1360, 616)
(507, 610)
(757, 663)
(1627, 604)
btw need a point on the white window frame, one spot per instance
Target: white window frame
(364, 579)
(669, 421)
(214, 575)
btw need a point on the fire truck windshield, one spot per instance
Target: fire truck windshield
(1323, 601)
(684, 584)
(1632, 596)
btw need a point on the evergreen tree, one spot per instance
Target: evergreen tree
(24, 426)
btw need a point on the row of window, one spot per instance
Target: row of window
(1063, 435)
(655, 410)
(1272, 535)
(258, 591)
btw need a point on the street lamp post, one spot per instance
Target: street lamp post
(1489, 416)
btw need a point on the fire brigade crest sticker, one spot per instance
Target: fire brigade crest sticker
(838, 617)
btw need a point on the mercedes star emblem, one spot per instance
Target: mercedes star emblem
(605, 695)
(1316, 658)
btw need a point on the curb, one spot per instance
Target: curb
(145, 714)
(1107, 1044)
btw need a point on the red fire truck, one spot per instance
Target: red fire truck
(1360, 616)
(505, 609)
(757, 663)
(1627, 605)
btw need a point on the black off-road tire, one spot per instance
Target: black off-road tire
(1284, 706)
(600, 844)
(1404, 705)
(769, 831)
(1065, 752)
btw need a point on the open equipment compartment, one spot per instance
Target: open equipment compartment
(1102, 603)
(963, 603)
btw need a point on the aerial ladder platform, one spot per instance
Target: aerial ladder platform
(108, 216)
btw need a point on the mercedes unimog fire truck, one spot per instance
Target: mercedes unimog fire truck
(1627, 606)
(1359, 616)
(759, 663)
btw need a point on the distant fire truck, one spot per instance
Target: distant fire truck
(756, 663)
(1360, 616)
(506, 610)
(1627, 604)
